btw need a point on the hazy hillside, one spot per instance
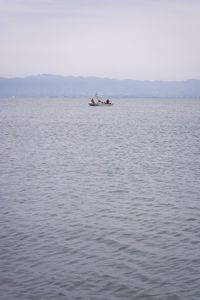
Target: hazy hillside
(69, 86)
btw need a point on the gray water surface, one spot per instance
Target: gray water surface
(99, 203)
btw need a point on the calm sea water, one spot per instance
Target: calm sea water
(99, 203)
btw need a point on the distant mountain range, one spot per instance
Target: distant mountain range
(69, 86)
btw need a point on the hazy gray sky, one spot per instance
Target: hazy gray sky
(136, 39)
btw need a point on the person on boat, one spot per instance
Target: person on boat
(107, 101)
(92, 101)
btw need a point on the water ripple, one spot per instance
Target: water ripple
(99, 204)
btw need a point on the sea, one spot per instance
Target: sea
(99, 203)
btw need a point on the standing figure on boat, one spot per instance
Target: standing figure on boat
(107, 101)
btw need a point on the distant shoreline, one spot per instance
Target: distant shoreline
(86, 98)
(76, 87)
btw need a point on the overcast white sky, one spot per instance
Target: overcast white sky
(136, 39)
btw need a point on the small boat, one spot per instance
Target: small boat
(99, 102)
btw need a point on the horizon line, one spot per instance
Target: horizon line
(97, 77)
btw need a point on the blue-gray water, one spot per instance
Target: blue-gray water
(99, 203)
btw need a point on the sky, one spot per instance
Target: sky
(122, 39)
